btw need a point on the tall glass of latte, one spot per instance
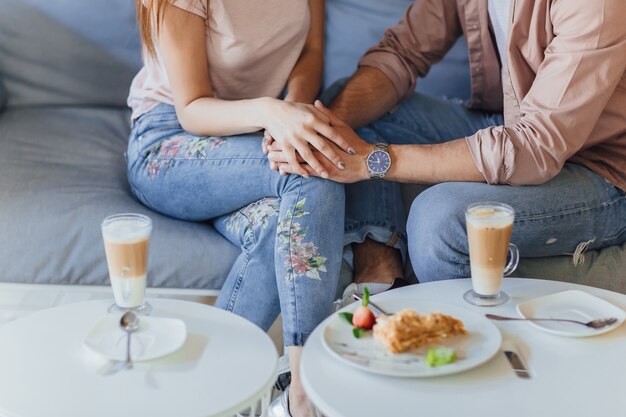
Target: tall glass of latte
(489, 226)
(126, 238)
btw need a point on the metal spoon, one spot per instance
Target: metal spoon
(594, 324)
(129, 323)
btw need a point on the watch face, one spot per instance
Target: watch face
(378, 162)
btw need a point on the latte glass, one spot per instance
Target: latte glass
(489, 226)
(126, 238)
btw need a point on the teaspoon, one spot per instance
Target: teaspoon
(129, 323)
(594, 324)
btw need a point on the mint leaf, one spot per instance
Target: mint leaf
(440, 356)
(358, 333)
(365, 300)
(347, 317)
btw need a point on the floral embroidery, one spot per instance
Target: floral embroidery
(161, 156)
(252, 216)
(301, 258)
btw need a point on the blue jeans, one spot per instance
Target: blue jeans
(289, 228)
(379, 216)
(575, 211)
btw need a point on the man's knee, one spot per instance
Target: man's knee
(436, 235)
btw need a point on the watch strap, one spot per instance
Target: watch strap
(382, 147)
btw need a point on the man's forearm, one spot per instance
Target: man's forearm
(368, 95)
(431, 164)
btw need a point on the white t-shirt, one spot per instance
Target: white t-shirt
(252, 47)
(499, 15)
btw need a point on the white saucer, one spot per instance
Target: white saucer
(156, 337)
(574, 305)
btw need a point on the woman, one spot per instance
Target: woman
(212, 77)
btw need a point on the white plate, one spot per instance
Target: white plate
(574, 305)
(480, 344)
(155, 337)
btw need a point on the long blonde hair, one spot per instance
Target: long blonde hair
(150, 13)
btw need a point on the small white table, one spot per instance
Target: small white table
(569, 376)
(227, 365)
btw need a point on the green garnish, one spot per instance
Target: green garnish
(440, 356)
(347, 317)
(356, 332)
(365, 300)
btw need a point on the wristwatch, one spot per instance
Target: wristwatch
(379, 161)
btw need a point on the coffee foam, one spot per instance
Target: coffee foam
(484, 217)
(126, 231)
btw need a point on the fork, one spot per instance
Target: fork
(374, 307)
(594, 324)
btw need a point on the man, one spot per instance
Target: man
(558, 155)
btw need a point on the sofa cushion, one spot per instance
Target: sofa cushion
(62, 171)
(352, 26)
(3, 96)
(605, 268)
(68, 52)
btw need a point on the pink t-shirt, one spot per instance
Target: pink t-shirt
(252, 47)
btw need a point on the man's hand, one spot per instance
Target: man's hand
(355, 163)
(268, 140)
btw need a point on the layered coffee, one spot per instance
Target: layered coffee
(126, 245)
(488, 232)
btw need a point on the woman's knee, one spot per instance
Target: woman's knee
(261, 220)
(325, 192)
(436, 235)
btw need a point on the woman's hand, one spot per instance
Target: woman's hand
(355, 167)
(296, 128)
(268, 140)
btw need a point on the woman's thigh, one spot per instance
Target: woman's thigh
(196, 177)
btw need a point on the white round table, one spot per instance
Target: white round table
(227, 365)
(569, 376)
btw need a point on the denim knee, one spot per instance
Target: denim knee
(326, 192)
(436, 236)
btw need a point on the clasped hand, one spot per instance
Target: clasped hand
(311, 143)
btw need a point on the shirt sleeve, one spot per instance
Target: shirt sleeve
(583, 65)
(423, 36)
(197, 7)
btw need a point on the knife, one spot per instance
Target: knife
(517, 364)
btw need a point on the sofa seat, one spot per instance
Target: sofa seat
(62, 171)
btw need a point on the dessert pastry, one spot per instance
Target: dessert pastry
(408, 330)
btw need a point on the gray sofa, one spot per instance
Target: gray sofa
(65, 69)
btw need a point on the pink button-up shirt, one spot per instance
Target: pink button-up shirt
(563, 88)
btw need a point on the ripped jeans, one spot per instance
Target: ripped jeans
(290, 229)
(575, 211)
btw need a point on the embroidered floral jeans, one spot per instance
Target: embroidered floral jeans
(290, 229)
